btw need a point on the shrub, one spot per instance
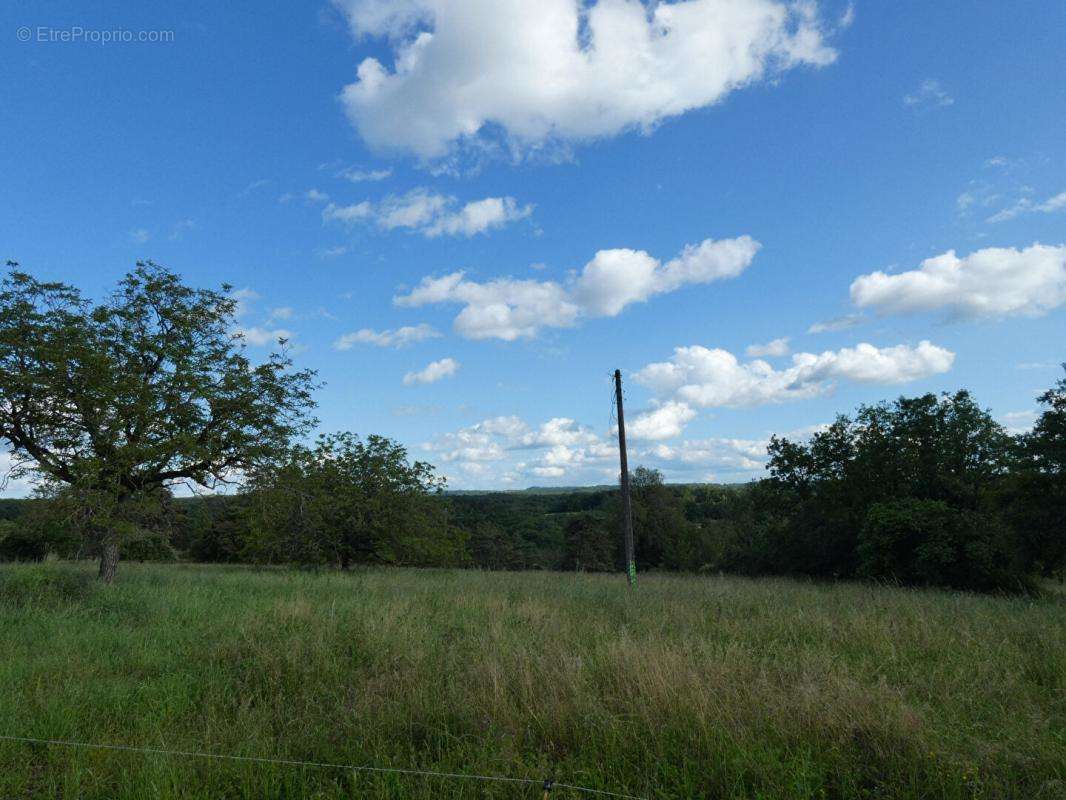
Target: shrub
(150, 546)
(930, 543)
(19, 543)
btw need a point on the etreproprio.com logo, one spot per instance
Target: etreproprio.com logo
(78, 34)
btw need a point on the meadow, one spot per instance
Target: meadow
(690, 686)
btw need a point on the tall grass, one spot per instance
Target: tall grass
(689, 687)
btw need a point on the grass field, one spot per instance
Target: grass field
(691, 687)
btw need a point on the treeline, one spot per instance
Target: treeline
(923, 491)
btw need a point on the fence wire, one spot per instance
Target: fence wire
(318, 765)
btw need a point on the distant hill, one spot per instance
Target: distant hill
(554, 490)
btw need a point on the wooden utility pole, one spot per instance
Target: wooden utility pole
(627, 507)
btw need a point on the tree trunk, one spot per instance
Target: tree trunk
(108, 559)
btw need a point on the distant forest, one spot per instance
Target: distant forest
(923, 491)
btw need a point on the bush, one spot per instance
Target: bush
(930, 543)
(19, 543)
(149, 546)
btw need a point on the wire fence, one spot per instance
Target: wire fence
(547, 785)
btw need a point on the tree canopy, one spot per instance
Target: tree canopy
(347, 501)
(146, 389)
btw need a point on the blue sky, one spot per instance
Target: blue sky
(655, 189)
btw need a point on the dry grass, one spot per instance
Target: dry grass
(691, 687)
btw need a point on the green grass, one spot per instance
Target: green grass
(691, 687)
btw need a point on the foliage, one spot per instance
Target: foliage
(348, 501)
(590, 546)
(1034, 498)
(944, 450)
(18, 544)
(928, 542)
(148, 388)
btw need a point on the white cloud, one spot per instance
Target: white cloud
(509, 308)
(707, 378)
(775, 348)
(664, 422)
(507, 451)
(994, 282)
(398, 337)
(561, 69)
(364, 175)
(316, 196)
(11, 486)
(733, 455)
(431, 214)
(181, 227)
(479, 216)
(1026, 206)
(1019, 421)
(347, 215)
(140, 235)
(836, 324)
(332, 252)
(251, 187)
(245, 298)
(929, 93)
(555, 448)
(258, 336)
(432, 372)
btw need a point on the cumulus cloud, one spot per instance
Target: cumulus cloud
(1026, 205)
(561, 69)
(432, 372)
(994, 282)
(508, 451)
(431, 214)
(930, 94)
(509, 308)
(775, 348)
(664, 422)
(398, 337)
(732, 455)
(707, 378)
(519, 451)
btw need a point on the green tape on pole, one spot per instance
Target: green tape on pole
(633, 571)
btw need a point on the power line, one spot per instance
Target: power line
(317, 764)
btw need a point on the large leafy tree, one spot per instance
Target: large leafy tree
(348, 501)
(119, 399)
(940, 457)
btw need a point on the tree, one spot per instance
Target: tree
(149, 388)
(347, 501)
(929, 542)
(1034, 500)
(663, 537)
(943, 450)
(590, 545)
